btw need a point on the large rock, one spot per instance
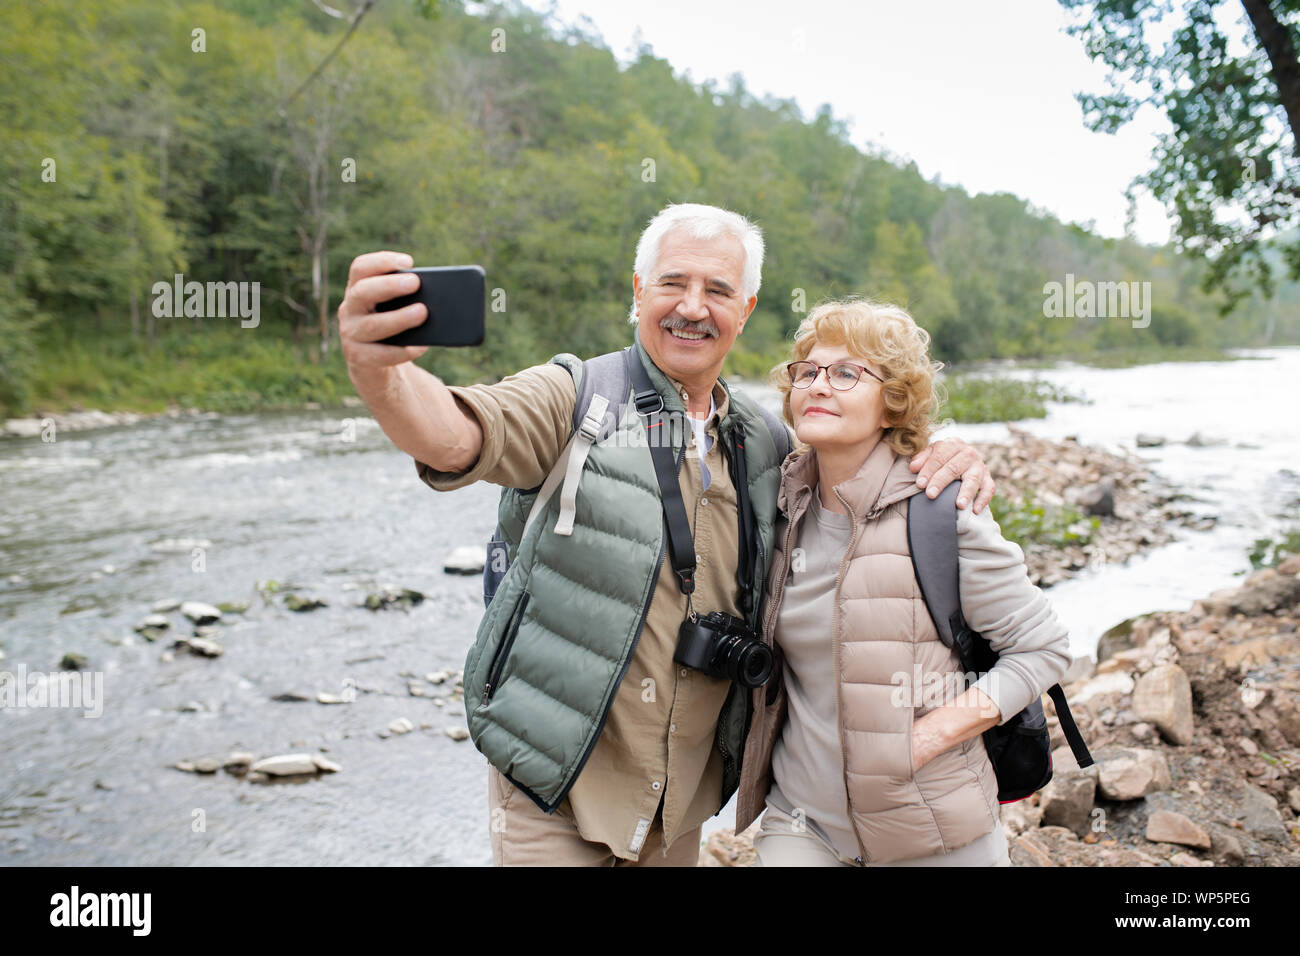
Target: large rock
(1098, 499)
(1067, 800)
(1115, 682)
(1264, 592)
(1163, 696)
(1166, 826)
(1128, 773)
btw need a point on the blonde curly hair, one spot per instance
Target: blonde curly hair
(889, 338)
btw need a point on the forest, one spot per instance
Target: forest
(249, 142)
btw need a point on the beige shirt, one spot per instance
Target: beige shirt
(657, 751)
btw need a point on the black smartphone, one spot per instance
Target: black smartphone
(455, 297)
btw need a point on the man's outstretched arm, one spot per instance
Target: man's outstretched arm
(413, 407)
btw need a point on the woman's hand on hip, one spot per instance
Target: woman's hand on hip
(944, 727)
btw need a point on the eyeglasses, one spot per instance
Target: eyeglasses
(842, 375)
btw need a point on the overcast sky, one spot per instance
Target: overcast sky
(978, 92)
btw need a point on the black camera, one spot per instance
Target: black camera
(724, 646)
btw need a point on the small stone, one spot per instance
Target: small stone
(1150, 441)
(416, 689)
(1166, 826)
(157, 622)
(72, 661)
(200, 613)
(401, 726)
(1127, 773)
(1183, 858)
(1261, 816)
(257, 777)
(238, 762)
(298, 603)
(185, 765)
(1225, 848)
(166, 605)
(1293, 799)
(325, 765)
(190, 707)
(456, 732)
(1248, 745)
(207, 765)
(324, 698)
(437, 677)
(290, 697)
(439, 702)
(467, 559)
(201, 646)
(285, 765)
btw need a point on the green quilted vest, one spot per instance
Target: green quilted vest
(560, 631)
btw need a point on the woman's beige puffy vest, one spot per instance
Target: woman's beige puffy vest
(885, 643)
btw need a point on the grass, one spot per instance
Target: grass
(222, 371)
(1270, 552)
(1028, 521)
(976, 399)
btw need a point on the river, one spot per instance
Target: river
(322, 502)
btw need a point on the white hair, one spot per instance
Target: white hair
(701, 222)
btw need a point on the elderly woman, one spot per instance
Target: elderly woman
(853, 772)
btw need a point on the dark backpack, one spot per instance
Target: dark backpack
(1020, 749)
(602, 376)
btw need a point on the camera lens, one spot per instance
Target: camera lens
(755, 665)
(744, 660)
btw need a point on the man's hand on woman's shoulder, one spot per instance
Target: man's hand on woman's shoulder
(944, 461)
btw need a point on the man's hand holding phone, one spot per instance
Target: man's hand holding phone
(371, 280)
(412, 406)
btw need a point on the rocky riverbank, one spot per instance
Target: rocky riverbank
(1073, 506)
(1193, 719)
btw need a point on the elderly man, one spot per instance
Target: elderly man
(604, 749)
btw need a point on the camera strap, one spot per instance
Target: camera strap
(650, 406)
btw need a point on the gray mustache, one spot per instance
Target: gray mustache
(677, 322)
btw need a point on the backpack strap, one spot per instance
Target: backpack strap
(599, 380)
(932, 541)
(780, 432)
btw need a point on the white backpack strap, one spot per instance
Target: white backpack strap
(568, 467)
(585, 438)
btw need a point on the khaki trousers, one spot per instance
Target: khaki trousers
(523, 835)
(780, 842)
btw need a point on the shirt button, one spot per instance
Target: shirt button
(672, 728)
(654, 785)
(704, 501)
(683, 671)
(698, 559)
